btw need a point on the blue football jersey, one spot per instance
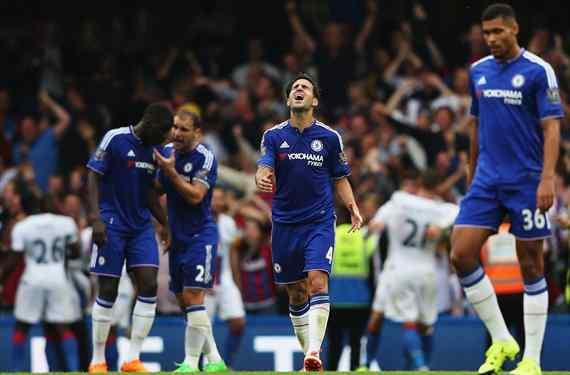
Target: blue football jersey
(306, 165)
(510, 99)
(127, 172)
(187, 219)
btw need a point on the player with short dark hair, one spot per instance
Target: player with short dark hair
(121, 198)
(515, 134)
(304, 159)
(47, 241)
(188, 172)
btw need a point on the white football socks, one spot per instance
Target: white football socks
(535, 314)
(299, 315)
(101, 317)
(318, 318)
(143, 317)
(480, 293)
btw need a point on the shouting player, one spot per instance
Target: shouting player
(188, 171)
(515, 129)
(304, 158)
(121, 201)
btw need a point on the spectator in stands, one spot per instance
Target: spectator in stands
(250, 260)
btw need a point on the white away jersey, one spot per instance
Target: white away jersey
(44, 238)
(228, 232)
(407, 218)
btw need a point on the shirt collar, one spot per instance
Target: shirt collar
(306, 129)
(132, 128)
(522, 50)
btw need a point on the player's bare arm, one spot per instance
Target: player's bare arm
(376, 226)
(264, 179)
(343, 189)
(159, 214)
(545, 192)
(99, 236)
(193, 192)
(473, 126)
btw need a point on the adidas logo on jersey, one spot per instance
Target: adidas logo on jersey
(131, 154)
(284, 145)
(482, 81)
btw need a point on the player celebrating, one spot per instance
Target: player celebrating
(414, 224)
(121, 200)
(514, 149)
(188, 171)
(305, 159)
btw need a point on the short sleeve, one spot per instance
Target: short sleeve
(474, 109)
(267, 150)
(385, 212)
(100, 161)
(207, 173)
(340, 167)
(18, 240)
(547, 95)
(447, 215)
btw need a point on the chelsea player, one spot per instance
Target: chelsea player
(188, 172)
(514, 148)
(121, 199)
(305, 161)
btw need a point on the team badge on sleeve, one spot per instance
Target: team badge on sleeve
(342, 157)
(100, 154)
(553, 95)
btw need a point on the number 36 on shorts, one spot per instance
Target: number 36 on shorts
(534, 220)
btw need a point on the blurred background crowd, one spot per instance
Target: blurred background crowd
(394, 82)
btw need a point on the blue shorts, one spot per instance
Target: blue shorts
(485, 206)
(299, 248)
(138, 249)
(193, 265)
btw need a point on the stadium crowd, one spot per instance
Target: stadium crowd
(399, 97)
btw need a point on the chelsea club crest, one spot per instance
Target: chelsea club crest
(316, 145)
(517, 81)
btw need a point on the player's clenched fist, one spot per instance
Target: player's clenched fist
(264, 179)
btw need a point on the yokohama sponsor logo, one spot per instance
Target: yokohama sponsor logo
(513, 97)
(303, 156)
(510, 94)
(144, 165)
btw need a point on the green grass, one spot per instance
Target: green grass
(333, 372)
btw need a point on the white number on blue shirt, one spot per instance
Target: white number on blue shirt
(538, 220)
(329, 255)
(200, 276)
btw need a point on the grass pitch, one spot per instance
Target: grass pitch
(328, 372)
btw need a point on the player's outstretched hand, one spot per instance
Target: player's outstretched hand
(264, 179)
(99, 236)
(165, 163)
(545, 194)
(355, 219)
